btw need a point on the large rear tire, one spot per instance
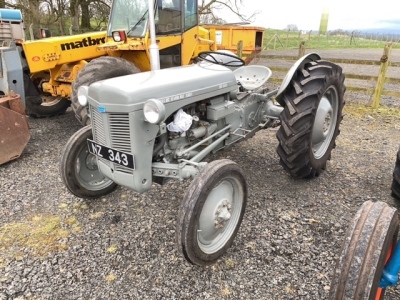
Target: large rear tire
(369, 242)
(396, 179)
(78, 168)
(313, 104)
(101, 68)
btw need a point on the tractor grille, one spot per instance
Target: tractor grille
(119, 130)
(97, 126)
(120, 136)
(119, 133)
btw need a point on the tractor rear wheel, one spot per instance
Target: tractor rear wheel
(101, 68)
(396, 178)
(313, 104)
(368, 245)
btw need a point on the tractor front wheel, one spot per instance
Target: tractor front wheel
(368, 245)
(313, 104)
(101, 68)
(79, 170)
(211, 212)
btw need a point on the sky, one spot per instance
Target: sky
(306, 14)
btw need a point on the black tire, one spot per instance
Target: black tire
(39, 105)
(78, 168)
(221, 189)
(54, 106)
(369, 240)
(313, 104)
(101, 68)
(396, 179)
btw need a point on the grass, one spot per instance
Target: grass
(360, 111)
(38, 235)
(282, 39)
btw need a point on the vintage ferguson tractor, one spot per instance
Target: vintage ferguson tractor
(161, 124)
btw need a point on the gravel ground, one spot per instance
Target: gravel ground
(122, 246)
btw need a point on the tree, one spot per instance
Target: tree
(292, 27)
(209, 9)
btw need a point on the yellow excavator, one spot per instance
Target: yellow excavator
(50, 70)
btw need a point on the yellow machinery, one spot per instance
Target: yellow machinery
(42, 74)
(51, 65)
(179, 39)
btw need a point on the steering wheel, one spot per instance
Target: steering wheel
(228, 60)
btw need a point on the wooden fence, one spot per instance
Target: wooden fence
(380, 79)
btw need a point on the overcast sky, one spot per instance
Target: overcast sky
(306, 14)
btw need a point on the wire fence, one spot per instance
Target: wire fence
(332, 39)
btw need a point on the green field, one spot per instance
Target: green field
(282, 39)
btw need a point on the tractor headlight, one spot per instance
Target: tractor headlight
(83, 95)
(154, 111)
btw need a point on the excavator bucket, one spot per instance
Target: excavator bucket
(14, 128)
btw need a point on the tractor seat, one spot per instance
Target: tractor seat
(253, 76)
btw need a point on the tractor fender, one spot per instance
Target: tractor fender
(289, 75)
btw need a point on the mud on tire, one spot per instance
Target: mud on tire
(369, 241)
(101, 68)
(313, 104)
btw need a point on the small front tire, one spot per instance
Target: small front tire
(211, 212)
(78, 168)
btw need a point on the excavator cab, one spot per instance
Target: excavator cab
(176, 28)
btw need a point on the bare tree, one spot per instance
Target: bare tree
(88, 10)
(292, 27)
(209, 9)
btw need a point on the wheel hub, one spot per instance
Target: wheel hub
(325, 123)
(322, 121)
(223, 214)
(91, 162)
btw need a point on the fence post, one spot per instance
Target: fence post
(287, 38)
(382, 75)
(240, 48)
(302, 49)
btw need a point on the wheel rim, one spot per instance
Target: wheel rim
(52, 102)
(87, 171)
(380, 290)
(325, 122)
(220, 215)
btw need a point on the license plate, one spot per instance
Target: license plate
(115, 156)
